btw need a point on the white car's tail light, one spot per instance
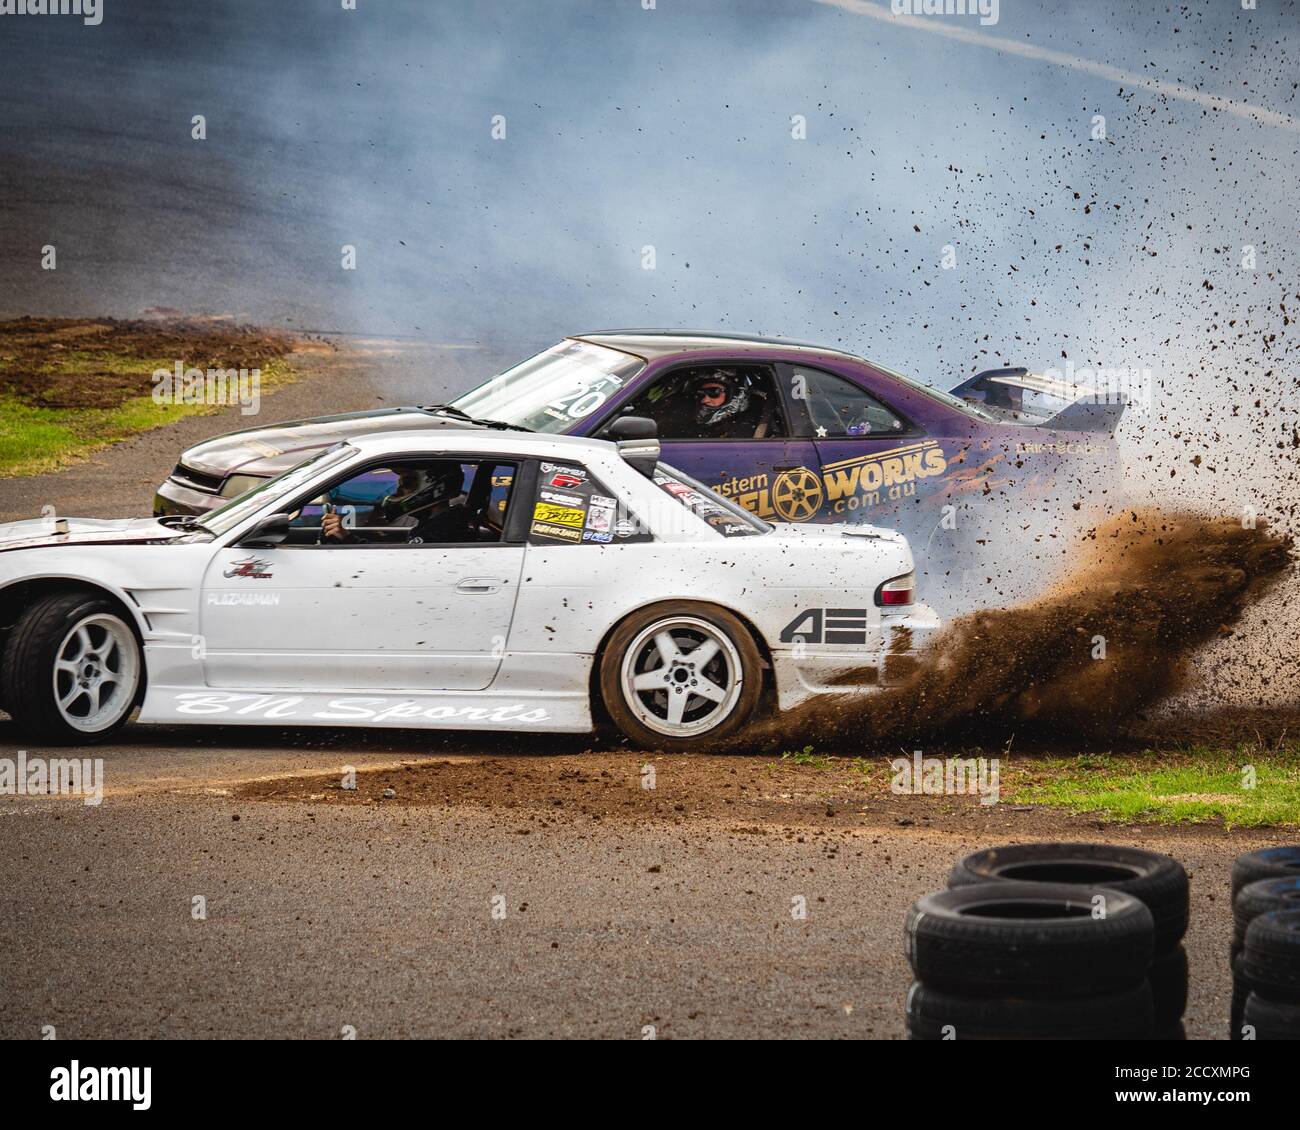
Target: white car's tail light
(899, 590)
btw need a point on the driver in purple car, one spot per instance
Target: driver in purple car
(715, 404)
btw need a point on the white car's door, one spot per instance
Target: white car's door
(397, 606)
(344, 618)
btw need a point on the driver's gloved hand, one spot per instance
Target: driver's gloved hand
(333, 529)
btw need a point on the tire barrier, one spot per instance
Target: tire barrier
(1067, 941)
(1270, 967)
(1029, 960)
(1264, 882)
(1158, 881)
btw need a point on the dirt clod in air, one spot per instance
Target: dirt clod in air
(1150, 589)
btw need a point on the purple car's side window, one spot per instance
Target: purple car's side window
(835, 408)
(712, 402)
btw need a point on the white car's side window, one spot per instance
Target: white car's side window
(571, 507)
(410, 502)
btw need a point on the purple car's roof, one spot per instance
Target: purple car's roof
(650, 344)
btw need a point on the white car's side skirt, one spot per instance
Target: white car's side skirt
(447, 710)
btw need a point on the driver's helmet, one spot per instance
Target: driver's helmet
(423, 489)
(719, 395)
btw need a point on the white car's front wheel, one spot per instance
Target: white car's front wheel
(72, 669)
(680, 675)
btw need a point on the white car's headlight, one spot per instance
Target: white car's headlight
(236, 485)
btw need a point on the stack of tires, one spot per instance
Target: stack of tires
(1266, 945)
(1017, 961)
(1051, 941)
(1158, 881)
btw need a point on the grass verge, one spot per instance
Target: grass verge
(1247, 787)
(36, 439)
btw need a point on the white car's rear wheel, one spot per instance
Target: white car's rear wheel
(680, 675)
(72, 669)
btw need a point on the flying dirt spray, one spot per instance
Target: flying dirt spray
(1113, 637)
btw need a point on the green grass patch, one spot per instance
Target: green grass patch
(34, 440)
(1246, 787)
(806, 756)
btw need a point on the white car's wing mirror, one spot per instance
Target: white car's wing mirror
(271, 530)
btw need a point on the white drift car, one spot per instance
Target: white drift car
(462, 579)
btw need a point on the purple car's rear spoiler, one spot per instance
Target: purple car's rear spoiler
(1001, 392)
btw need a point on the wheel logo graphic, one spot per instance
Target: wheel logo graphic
(797, 495)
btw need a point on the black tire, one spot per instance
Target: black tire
(1158, 880)
(1271, 959)
(1169, 980)
(1029, 940)
(936, 1015)
(1272, 1020)
(1267, 863)
(1175, 1032)
(625, 639)
(1259, 898)
(1240, 991)
(27, 672)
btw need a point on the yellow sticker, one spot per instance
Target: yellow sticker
(558, 515)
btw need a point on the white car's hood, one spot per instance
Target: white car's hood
(83, 531)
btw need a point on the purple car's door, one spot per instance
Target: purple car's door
(878, 463)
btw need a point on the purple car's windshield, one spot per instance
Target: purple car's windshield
(553, 390)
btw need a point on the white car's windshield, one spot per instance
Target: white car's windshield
(227, 517)
(553, 390)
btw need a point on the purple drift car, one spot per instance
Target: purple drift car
(793, 432)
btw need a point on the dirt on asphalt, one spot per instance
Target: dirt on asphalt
(844, 788)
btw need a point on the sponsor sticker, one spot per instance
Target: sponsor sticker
(600, 516)
(828, 625)
(561, 499)
(352, 709)
(257, 568)
(563, 476)
(839, 488)
(563, 533)
(559, 515)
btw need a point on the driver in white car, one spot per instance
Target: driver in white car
(429, 501)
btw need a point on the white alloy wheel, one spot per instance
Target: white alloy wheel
(96, 673)
(681, 677)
